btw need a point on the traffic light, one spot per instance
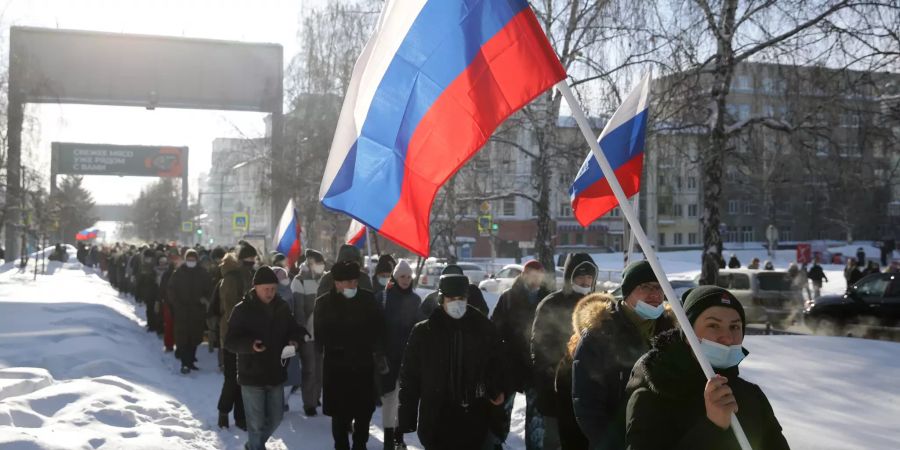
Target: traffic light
(199, 231)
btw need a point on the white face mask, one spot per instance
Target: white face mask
(285, 282)
(721, 356)
(384, 280)
(190, 264)
(349, 293)
(317, 269)
(581, 289)
(648, 312)
(456, 309)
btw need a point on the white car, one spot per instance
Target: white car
(505, 277)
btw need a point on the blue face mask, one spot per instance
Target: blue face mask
(648, 312)
(721, 356)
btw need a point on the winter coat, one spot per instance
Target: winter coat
(514, 317)
(551, 331)
(188, 291)
(145, 287)
(602, 366)
(304, 287)
(475, 299)
(345, 253)
(734, 263)
(666, 409)
(274, 325)
(236, 281)
(401, 313)
(351, 334)
(816, 274)
(570, 435)
(854, 276)
(451, 368)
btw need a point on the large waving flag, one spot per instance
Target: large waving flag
(357, 234)
(622, 142)
(288, 234)
(431, 86)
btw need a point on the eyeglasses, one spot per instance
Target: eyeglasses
(652, 288)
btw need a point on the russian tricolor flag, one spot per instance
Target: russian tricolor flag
(431, 86)
(356, 235)
(622, 142)
(288, 233)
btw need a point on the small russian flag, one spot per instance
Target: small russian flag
(288, 234)
(356, 234)
(622, 142)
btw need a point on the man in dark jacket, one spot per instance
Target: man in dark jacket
(146, 290)
(451, 375)
(260, 329)
(672, 405)
(400, 305)
(816, 274)
(606, 354)
(346, 253)
(475, 298)
(350, 328)
(189, 292)
(734, 262)
(237, 275)
(514, 316)
(550, 333)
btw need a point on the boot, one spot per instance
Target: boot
(399, 443)
(223, 420)
(389, 439)
(240, 423)
(310, 412)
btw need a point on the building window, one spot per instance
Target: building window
(747, 234)
(692, 210)
(785, 234)
(692, 183)
(851, 150)
(692, 238)
(822, 147)
(850, 120)
(677, 239)
(678, 183)
(509, 207)
(563, 238)
(679, 211)
(615, 212)
(730, 174)
(742, 83)
(748, 208)
(731, 236)
(733, 206)
(565, 209)
(579, 238)
(662, 239)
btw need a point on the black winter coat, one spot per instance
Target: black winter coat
(816, 274)
(188, 290)
(274, 325)
(514, 317)
(351, 333)
(401, 309)
(602, 366)
(570, 435)
(666, 408)
(451, 368)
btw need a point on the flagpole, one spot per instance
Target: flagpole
(637, 213)
(368, 250)
(642, 239)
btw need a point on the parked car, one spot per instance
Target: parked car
(505, 277)
(872, 301)
(431, 274)
(766, 295)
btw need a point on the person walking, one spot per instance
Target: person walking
(817, 275)
(350, 328)
(260, 330)
(292, 383)
(304, 287)
(189, 291)
(452, 375)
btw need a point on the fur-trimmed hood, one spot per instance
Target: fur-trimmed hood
(229, 264)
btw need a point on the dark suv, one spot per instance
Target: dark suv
(873, 301)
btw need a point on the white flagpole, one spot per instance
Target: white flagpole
(641, 237)
(637, 213)
(368, 250)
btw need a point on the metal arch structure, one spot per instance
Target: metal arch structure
(86, 67)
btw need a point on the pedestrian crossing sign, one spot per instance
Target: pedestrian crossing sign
(240, 222)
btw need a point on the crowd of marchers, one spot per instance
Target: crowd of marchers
(595, 371)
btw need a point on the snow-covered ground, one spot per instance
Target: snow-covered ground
(78, 371)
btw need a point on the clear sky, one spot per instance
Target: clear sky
(272, 21)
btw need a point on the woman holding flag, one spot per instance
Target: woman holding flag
(673, 406)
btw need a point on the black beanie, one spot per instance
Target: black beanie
(698, 299)
(247, 251)
(345, 271)
(636, 273)
(217, 253)
(264, 275)
(452, 269)
(454, 286)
